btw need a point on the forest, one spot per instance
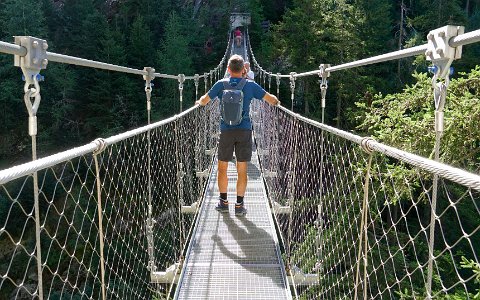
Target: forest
(391, 102)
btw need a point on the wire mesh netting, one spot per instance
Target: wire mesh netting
(315, 179)
(70, 231)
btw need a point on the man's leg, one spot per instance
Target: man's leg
(243, 151)
(222, 176)
(225, 152)
(242, 178)
(222, 181)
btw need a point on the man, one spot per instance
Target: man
(248, 72)
(235, 137)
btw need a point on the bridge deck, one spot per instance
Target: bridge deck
(234, 257)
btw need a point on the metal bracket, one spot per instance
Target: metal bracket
(203, 174)
(297, 277)
(263, 152)
(196, 79)
(181, 80)
(269, 81)
(324, 74)
(439, 51)
(35, 59)
(209, 151)
(280, 210)
(292, 86)
(270, 174)
(148, 84)
(31, 64)
(190, 209)
(166, 277)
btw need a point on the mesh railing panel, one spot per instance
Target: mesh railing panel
(315, 181)
(70, 238)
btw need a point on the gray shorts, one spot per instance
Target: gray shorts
(238, 140)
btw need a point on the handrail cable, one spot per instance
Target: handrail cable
(457, 175)
(460, 40)
(12, 173)
(13, 49)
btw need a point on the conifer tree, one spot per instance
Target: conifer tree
(174, 58)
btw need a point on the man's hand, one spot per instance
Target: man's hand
(271, 99)
(203, 100)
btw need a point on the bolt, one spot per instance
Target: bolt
(441, 34)
(45, 46)
(45, 62)
(35, 60)
(430, 36)
(35, 44)
(428, 53)
(439, 52)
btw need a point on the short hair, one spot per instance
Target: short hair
(235, 63)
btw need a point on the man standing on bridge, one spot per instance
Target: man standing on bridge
(235, 135)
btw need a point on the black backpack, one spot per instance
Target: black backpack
(231, 104)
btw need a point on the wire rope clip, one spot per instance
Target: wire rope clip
(203, 174)
(270, 174)
(190, 209)
(278, 209)
(439, 51)
(35, 59)
(297, 277)
(169, 276)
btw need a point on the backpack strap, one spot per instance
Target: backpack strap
(239, 86)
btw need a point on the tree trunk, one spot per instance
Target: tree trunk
(467, 7)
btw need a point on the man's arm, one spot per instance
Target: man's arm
(203, 100)
(271, 99)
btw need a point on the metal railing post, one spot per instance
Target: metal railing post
(34, 60)
(150, 222)
(323, 91)
(205, 81)
(441, 54)
(278, 85)
(292, 87)
(181, 80)
(196, 82)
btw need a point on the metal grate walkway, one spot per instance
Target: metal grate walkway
(234, 257)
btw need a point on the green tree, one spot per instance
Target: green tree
(174, 58)
(405, 120)
(140, 45)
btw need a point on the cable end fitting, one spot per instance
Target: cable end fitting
(365, 143)
(101, 146)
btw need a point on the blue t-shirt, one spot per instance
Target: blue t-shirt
(251, 90)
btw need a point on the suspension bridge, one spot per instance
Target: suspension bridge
(131, 216)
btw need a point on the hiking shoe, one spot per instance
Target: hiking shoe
(222, 205)
(240, 210)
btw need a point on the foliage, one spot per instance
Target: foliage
(406, 120)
